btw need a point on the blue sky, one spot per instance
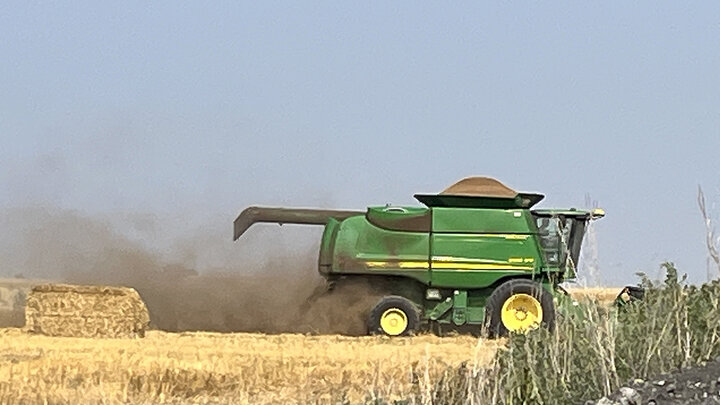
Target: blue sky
(188, 112)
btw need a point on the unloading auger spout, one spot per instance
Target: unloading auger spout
(281, 216)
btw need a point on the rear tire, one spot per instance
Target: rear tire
(394, 316)
(518, 305)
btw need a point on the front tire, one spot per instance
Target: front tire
(394, 316)
(518, 306)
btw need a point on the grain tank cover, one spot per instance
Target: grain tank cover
(480, 192)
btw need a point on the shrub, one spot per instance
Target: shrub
(592, 352)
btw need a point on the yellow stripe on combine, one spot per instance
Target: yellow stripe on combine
(518, 237)
(521, 260)
(456, 259)
(402, 265)
(478, 266)
(448, 265)
(503, 235)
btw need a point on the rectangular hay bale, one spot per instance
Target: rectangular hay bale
(85, 311)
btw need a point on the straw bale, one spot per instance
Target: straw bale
(86, 311)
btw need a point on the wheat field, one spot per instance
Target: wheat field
(228, 368)
(604, 295)
(238, 368)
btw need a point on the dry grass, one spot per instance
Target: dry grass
(601, 294)
(222, 368)
(236, 368)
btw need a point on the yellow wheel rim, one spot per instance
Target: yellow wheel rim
(521, 312)
(393, 321)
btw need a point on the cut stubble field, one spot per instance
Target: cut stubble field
(238, 368)
(205, 367)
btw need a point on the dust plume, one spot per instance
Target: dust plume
(271, 296)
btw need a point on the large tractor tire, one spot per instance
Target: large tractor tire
(394, 316)
(518, 306)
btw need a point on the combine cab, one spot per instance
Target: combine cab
(476, 255)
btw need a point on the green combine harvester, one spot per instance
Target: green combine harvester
(477, 256)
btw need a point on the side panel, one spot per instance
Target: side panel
(479, 220)
(473, 248)
(478, 260)
(363, 248)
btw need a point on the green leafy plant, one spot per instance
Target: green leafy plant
(592, 352)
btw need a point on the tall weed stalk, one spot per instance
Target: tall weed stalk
(593, 351)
